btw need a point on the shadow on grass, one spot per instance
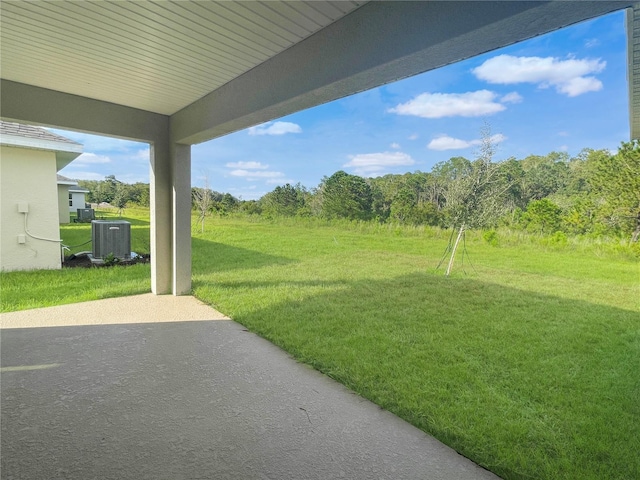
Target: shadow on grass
(527, 385)
(209, 256)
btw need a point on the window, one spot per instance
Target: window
(71, 200)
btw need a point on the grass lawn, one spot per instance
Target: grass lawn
(528, 363)
(43, 288)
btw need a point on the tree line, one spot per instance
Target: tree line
(594, 193)
(116, 193)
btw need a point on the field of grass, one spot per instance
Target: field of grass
(525, 360)
(528, 364)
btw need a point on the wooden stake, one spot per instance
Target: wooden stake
(453, 252)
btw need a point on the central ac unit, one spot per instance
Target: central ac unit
(111, 238)
(85, 215)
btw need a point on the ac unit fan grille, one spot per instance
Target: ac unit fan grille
(111, 238)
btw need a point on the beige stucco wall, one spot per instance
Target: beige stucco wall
(28, 176)
(63, 204)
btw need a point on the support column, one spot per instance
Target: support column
(161, 224)
(633, 69)
(181, 212)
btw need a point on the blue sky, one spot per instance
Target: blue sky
(563, 91)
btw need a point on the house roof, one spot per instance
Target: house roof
(62, 180)
(73, 185)
(28, 136)
(29, 131)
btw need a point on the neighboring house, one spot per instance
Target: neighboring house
(77, 198)
(30, 210)
(71, 197)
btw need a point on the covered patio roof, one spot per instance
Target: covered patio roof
(173, 74)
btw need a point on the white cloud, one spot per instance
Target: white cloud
(253, 171)
(592, 42)
(248, 193)
(143, 154)
(275, 128)
(254, 174)
(579, 85)
(414, 136)
(395, 146)
(439, 105)
(445, 142)
(513, 97)
(572, 77)
(280, 181)
(498, 138)
(374, 164)
(247, 165)
(91, 159)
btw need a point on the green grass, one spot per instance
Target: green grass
(525, 360)
(528, 363)
(44, 288)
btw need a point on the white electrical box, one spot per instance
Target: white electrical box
(22, 238)
(23, 207)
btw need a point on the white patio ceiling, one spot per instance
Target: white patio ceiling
(155, 56)
(218, 66)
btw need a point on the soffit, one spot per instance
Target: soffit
(158, 56)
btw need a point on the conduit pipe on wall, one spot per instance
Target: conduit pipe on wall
(26, 230)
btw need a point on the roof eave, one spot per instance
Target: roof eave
(65, 158)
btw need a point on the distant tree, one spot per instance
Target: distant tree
(544, 175)
(203, 202)
(617, 180)
(403, 205)
(285, 200)
(542, 216)
(120, 197)
(251, 207)
(226, 204)
(99, 193)
(512, 174)
(109, 188)
(346, 196)
(139, 194)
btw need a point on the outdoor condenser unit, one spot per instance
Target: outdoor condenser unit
(111, 237)
(85, 215)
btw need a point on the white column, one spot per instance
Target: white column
(181, 212)
(633, 69)
(161, 218)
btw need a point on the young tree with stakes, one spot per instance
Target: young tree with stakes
(203, 201)
(475, 199)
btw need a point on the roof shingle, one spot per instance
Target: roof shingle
(29, 131)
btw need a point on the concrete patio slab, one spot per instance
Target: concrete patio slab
(144, 308)
(192, 400)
